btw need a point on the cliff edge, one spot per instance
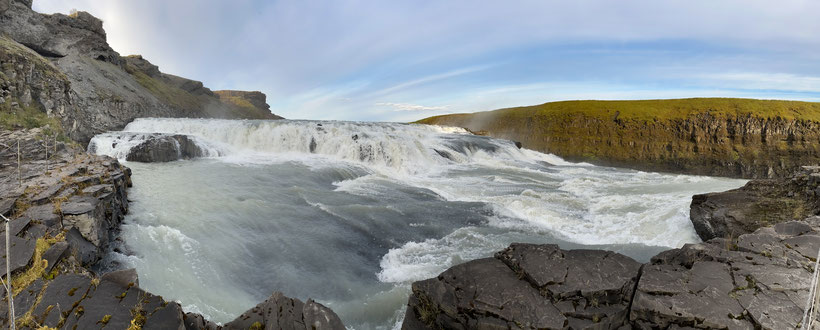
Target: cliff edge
(742, 138)
(62, 66)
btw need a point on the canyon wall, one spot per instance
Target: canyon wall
(720, 137)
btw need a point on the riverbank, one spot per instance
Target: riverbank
(64, 210)
(741, 138)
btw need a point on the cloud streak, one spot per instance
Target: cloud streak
(412, 107)
(347, 59)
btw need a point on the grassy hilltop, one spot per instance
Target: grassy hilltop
(713, 136)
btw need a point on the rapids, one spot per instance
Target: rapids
(351, 213)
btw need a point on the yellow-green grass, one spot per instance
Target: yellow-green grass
(658, 110)
(712, 136)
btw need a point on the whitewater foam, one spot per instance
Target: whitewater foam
(352, 213)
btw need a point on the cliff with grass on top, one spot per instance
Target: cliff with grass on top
(742, 138)
(61, 67)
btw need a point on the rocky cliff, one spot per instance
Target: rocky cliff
(62, 66)
(721, 137)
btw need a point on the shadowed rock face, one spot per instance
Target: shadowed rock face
(73, 73)
(759, 280)
(758, 204)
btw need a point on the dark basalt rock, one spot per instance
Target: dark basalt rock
(758, 204)
(45, 214)
(165, 148)
(86, 252)
(759, 280)
(15, 227)
(530, 286)
(54, 254)
(61, 296)
(195, 321)
(168, 317)
(125, 277)
(21, 253)
(281, 312)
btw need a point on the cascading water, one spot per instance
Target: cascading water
(351, 213)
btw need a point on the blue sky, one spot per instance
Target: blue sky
(405, 60)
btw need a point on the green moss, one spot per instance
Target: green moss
(25, 117)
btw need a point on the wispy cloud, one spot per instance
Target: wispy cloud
(426, 80)
(412, 107)
(765, 81)
(340, 59)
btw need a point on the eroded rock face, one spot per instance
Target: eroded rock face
(165, 148)
(759, 280)
(758, 204)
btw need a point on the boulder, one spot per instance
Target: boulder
(281, 312)
(125, 277)
(165, 148)
(760, 203)
(526, 285)
(194, 321)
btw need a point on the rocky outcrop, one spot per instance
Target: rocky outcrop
(243, 99)
(65, 210)
(757, 204)
(165, 148)
(62, 65)
(527, 286)
(280, 312)
(718, 137)
(756, 281)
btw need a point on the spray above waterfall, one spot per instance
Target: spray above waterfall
(406, 148)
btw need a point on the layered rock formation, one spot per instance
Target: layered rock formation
(65, 210)
(719, 137)
(756, 281)
(758, 204)
(62, 65)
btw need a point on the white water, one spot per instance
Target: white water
(351, 213)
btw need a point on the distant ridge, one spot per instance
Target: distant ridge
(732, 137)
